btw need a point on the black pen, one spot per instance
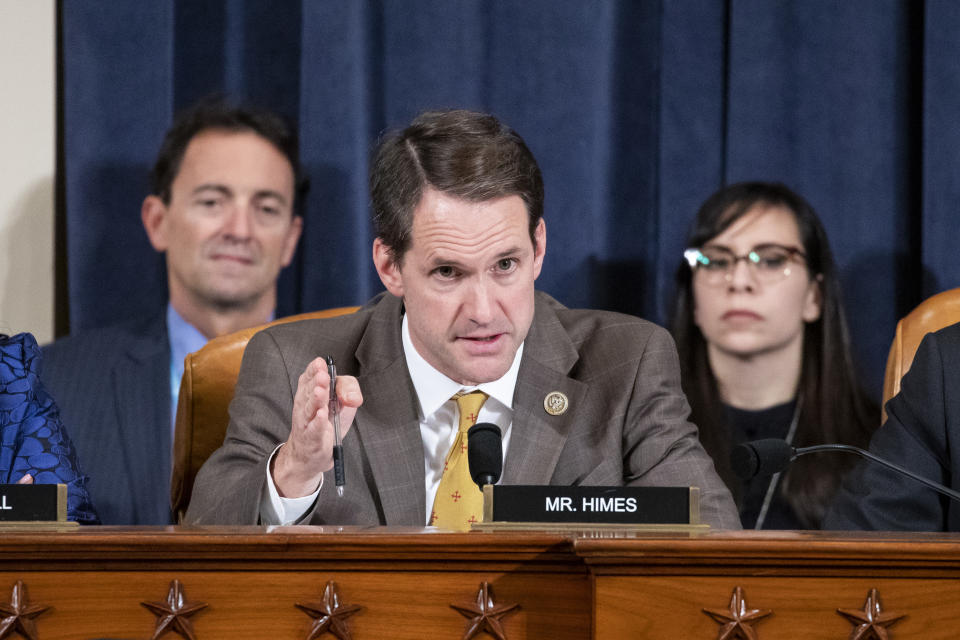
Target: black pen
(335, 413)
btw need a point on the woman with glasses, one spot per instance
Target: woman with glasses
(764, 348)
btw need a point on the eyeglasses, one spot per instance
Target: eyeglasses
(769, 263)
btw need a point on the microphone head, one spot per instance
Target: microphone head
(484, 453)
(761, 457)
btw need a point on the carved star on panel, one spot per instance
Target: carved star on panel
(736, 622)
(870, 623)
(18, 615)
(485, 615)
(173, 615)
(330, 615)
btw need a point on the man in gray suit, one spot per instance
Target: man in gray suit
(582, 397)
(222, 212)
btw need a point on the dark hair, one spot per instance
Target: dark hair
(466, 154)
(215, 113)
(835, 408)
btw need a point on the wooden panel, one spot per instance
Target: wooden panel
(803, 608)
(828, 554)
(579, 584)
(258, 605)
(96, 578)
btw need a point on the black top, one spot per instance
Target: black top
(746, 425)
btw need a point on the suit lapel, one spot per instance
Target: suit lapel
(388, 423)
(142, 382)
(537, 438)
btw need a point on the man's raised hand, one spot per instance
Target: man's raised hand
(308, 452)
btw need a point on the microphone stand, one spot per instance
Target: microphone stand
(936, 486)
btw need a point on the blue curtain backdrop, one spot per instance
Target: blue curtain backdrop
(636, 110)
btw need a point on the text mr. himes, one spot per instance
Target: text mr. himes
(616, 505)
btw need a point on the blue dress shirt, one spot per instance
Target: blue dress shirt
(184, 338)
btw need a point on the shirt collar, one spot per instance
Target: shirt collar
(184, 338)
(434, 388)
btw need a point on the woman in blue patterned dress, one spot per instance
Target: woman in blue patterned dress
(34, 447)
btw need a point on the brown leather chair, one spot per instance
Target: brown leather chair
(206, 389)
(932, 314)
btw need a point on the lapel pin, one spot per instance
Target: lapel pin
(555, 403)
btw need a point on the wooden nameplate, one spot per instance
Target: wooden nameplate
(618, 508)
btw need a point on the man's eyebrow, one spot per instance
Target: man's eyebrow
(509, 253)
(270, 193)
(227, 191)
(443, 261)
(213, 186)
(452, 261)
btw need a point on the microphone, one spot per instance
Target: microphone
(761, 457)
(484, 453)
(769, 456)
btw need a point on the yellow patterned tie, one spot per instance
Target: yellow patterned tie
(459, 502)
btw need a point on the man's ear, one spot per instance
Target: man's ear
(290, 242)
(153, 213)
(539, 247)
(387, 268)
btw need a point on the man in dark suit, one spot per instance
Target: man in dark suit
(922, 433)
(222, 212)
(583, 397)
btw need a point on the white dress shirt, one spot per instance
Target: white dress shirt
(439, 420)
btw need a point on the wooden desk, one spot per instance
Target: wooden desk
(566, 585)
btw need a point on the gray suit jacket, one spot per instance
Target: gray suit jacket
(626, 423)
(113, 389)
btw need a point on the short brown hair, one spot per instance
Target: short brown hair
(466, 154)
(215, 113)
